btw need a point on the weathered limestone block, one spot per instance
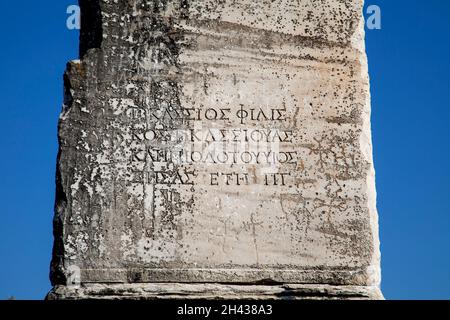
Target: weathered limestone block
(217, 149)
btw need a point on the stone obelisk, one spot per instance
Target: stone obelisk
(217, 149)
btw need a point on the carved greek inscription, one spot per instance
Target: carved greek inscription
(213, 138)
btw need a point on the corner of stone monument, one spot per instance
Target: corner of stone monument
(217, 150)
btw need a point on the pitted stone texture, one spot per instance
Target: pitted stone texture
(217, 142)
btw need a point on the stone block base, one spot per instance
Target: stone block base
(212, 291)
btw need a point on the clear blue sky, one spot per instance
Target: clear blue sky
(410, 69)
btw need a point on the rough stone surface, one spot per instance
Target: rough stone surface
(213, 292)
(217, 149)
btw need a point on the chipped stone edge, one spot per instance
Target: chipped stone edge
(374, 271)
